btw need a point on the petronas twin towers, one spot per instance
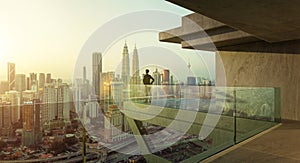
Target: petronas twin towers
(126, 67)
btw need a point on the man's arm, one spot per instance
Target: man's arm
(152, 79)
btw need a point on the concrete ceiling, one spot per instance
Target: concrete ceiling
(269, 20)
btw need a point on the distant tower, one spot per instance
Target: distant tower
(11, 73)
(117, 93)
(125, 66)
(48, 78)
(32, 80)
(135, 67)
(28, 83)
(20, 82)
(5, 117)
(191, 80)
(31, 123)
(97, 70)
(14, 99)
(84, 74)
(166, 76)
(157, 79)
(3, 87)
(42, 80)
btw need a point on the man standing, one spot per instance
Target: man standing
(147, 80)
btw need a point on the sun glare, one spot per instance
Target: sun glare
(4, 46)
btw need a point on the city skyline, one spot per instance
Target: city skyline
(54, 46)
(48, 37)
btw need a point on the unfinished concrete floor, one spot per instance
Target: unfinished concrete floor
(279, 145)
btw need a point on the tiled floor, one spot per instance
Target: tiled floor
(280, 145)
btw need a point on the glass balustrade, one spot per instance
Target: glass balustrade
(174, 123)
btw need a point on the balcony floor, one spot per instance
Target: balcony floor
(279, 145)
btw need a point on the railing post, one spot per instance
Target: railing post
(83, 137)
(234, 116)
(277, 103)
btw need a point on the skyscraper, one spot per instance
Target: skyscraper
(15, 101)
(42, 80)
(92, 107)
(64, 98)
(57, 102)
(48, 78)
(166, 76)
(5, 119)
(97, 70)
(32, 80)
(117, 93)
(4, 87)
(125, 66)
(85, 88)
(31, 123)
(49, 103)
(11, 73)
(135, 67)
(28, 83)
(156, 76)
(84, 75)
(27, 115)
(20, 82)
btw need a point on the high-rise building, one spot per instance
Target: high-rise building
(42, 80)
(4, 87)
(172, 80)
(28, 83)
(48, 78)
(29, 95)
(20, 82)
(93, 107)
(125, 66)
(14, 98)
(157, 79)
(28, 115)
(117, 93)
(57, 102)
(11, 73)
(84, 74)
(135, 67)
(5, 119)
(191, 80)
(67, 101)
(166, 77)
(106, 79)
(115, 125)
(77, 95)
(97, 70)
(32, 80)
(31, 122)
(49, 103)
(85, 87)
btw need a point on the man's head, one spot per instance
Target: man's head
(147, 71)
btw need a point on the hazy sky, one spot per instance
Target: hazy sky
(48, 35)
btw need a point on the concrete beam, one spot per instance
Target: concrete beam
(193, 26)
(269, 20)
(202, 21)
(214, 42)
(171, 36)
(286, 47)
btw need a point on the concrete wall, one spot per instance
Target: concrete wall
(251, 69)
